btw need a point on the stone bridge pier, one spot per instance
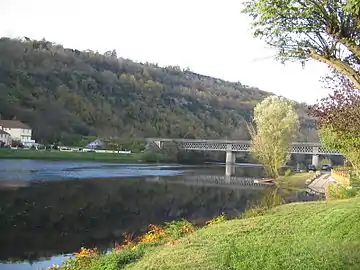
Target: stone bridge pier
(230, 161)
(315, 157)
(230, 155)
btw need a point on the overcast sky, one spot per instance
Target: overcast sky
(210, 37)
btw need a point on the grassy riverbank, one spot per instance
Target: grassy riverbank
(57, 155)
(313, 235)
(296, 181)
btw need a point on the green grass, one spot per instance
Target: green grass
(57, 155)
(315, 235)
(294, 181)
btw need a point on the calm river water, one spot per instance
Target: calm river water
(50, 209)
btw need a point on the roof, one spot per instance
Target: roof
(95, 143)
(4, 132)
(13, 124)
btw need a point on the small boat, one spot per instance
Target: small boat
(264, 180)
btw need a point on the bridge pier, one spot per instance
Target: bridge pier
(230, 157)
(230, 162)
(315, 160)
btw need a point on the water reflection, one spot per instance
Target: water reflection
(49, 218)
(52, 208)
(229, 170)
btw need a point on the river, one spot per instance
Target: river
(49, 209)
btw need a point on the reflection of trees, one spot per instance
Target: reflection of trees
(58, 217)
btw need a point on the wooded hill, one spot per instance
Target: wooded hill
(65, 93)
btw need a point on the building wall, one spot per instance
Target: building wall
(5, 138)
(23, 135)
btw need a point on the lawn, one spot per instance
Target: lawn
(57, 155)
(298, 236)
(296, 181)
(316, 235)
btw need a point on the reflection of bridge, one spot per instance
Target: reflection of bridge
(216, 180)
(231, 147)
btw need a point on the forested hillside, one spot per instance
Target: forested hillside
(64, 93)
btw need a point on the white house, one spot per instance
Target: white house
(96, 144)
(4, 138)
(18, 131)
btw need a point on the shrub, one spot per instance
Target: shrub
(216, 220)
(155, 234)
(335, 191)
(288, 172)
(130, 251)
(325, 161)
(117, 259)
(177, 229)
(82, 260)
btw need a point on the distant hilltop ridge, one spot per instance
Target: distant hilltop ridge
(66, 93)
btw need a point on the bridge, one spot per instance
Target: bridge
(231, 147)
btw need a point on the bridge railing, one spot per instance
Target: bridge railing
(314, 148)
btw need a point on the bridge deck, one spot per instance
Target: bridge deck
(314, 148)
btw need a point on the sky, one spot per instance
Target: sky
(211, 37)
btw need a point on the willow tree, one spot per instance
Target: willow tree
(324, 30)
(276, 125)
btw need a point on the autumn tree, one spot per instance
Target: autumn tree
(338, 118)
(275, 127)
(324, 30)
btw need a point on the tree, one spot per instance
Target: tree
(276, 126)
(343, 142)
(338, 117)
(17, 143)
(341, 108)
(325, 30)
(64, 95)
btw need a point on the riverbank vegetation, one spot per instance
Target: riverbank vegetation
(292, 236)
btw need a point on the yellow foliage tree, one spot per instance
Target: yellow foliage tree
(275, 127)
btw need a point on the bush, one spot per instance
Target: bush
(172, 231)
(91, 259)
(130, 251)
(177, 229)
(82, 260)
(216, 220)
(156, 234)
(335, 191)
(325, 161)
(288, 172)
(117, 259)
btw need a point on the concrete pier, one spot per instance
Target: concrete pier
(315, 160)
